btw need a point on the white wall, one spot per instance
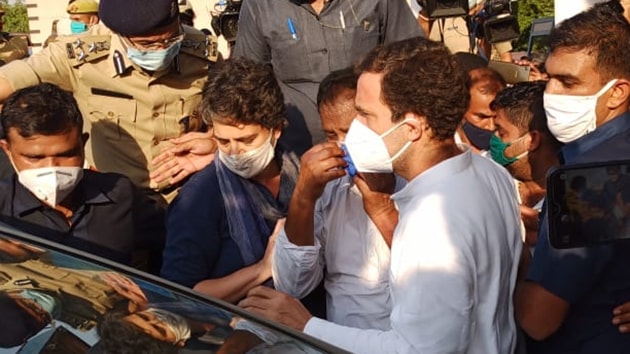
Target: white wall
(568, 8)
(41, 14)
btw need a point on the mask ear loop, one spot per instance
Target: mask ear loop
(407, 144)
(521, 155)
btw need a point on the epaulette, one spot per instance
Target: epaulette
(201, 46)
(84, 49)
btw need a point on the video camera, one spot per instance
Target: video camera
(496, 23)
(225, 19)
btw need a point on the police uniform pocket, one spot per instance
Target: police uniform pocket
(115, 117)
(190, 118)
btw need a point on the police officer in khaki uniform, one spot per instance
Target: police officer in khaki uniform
(82, 12)
(137, 81)
(11, 47)
(83, 15)
(85, 297)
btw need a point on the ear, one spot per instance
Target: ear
(5, 146)
(619, 95)
(535, 138)
(416, 126)
(84, 138)
(277, 131)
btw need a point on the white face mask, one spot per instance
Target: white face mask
(174, 322)
(367, 149)
(44, 300)
(250, 163)
(51, 184)
(571, 117)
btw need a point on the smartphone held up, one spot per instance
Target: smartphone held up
(588, 204)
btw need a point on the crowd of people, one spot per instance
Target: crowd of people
(339, 173)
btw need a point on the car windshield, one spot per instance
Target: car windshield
(55, 299)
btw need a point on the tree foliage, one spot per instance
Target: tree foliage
(15, 17)
(528, 11)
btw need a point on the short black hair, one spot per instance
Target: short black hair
(44, 109)
(421, 76)
(603, 32)
(121, 337)
(523, 105)
(470, 61)
(335, 83)
(489, 81)
(241, 91)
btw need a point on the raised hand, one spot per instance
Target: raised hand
(191, 152)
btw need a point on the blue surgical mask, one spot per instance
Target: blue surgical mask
(479, 138)
(154, 60)
(77, 27)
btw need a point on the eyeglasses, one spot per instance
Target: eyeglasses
(156, 45)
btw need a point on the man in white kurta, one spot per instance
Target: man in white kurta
(456, 247)
(454, 259)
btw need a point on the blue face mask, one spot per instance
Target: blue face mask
(154, 60)
(479, 138)
(77, 27)
(45, 301)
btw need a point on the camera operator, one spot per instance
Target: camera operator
(465, 33)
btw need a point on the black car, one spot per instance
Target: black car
(54, 299)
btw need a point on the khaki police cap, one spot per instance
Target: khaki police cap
(1, 9)
(82, 7)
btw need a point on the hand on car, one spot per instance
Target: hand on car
(276, 306)
(125, 287)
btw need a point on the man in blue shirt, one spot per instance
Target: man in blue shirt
(565, 303)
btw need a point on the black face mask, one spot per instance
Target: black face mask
(480, 138)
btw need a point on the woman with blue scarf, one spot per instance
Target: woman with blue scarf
(220, 225)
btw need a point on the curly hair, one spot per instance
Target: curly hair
(42, 109)
(603, 32)
(421, 77)
(121, 337)
(241, 91)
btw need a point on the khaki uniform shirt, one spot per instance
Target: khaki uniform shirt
(86, 297)
(12, 47)
(129, 113)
